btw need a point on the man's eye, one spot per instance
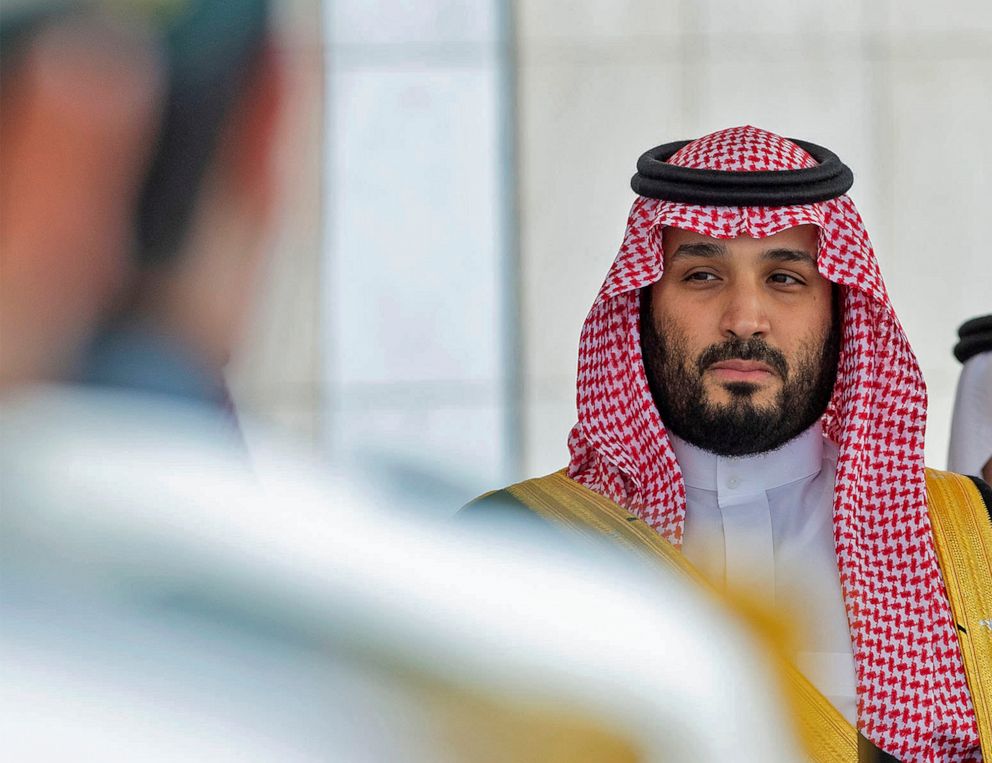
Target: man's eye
(785, 279)
(700, 276)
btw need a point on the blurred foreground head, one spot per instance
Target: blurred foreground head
(137, 184)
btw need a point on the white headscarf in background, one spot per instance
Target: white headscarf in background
(971, 424)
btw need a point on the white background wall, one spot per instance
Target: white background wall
(460, 184)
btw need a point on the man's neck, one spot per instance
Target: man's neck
(736, 478)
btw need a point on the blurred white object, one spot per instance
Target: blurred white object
(161, 603)
(971, 423)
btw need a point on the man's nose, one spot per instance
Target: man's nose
(745, 314)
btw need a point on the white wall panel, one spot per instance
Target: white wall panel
(414, 279)
(415, 273)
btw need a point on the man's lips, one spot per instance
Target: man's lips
(742, 370)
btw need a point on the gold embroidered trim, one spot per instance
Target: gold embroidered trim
(829, 738)
(963, 539)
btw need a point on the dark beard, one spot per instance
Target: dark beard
(739, 428)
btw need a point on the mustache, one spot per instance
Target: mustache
(744, 349)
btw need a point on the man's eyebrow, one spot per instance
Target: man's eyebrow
(789, 255)
(700, 249)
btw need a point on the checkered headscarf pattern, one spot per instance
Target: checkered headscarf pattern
(913, 699)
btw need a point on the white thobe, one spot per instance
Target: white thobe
(764, 525)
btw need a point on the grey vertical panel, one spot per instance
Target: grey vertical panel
(514, 455)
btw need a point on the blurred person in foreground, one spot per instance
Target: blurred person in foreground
(79, 108)
(971, 423)
(749, 405)
(161, 603)
(152, 164)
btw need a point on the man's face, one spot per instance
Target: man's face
(740, 340)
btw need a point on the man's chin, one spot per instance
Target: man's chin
(729, 394)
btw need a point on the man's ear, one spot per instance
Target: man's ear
(205, 294)
(80, 109)
(250, 135)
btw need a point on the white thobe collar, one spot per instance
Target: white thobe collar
(739, 479)
(761, 526)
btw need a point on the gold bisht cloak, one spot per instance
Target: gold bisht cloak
(962, 531)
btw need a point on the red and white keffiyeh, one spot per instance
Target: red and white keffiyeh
(913, 699)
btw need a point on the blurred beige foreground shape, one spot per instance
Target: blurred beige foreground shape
(160, 602)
